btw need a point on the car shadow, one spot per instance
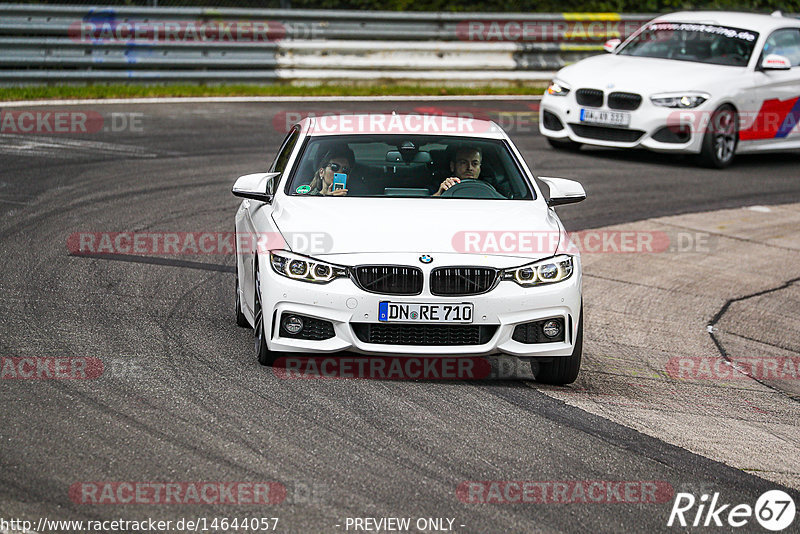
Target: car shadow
(776, 159)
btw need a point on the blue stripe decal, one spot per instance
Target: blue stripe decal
(791, 120)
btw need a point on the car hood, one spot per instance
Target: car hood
(319, 226)
(646, 76)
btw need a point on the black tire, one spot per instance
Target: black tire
(562, 370)
(264, 355)
(241, 320)
(564, 144)
(721, 138)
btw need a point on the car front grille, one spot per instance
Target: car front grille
(389, 279)
(624, 101)
(605, 133)
(589, 97)
(462, 280)
(423, 334)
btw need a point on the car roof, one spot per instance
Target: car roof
(402, 124)
(746, 21)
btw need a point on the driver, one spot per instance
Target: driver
(465, 165)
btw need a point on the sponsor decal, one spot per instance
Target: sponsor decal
(775, 120)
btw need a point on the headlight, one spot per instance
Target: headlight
(679, 100)
(546, 271)
(304, 268)
(557, 88)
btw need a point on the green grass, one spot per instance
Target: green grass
(140, 91)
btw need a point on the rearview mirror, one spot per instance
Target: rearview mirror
(395, 156)
(563, 191)
(611, 45)
(254, 186)
(776, 62)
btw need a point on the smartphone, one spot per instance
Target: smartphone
(339, 181)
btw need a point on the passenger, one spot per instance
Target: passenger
(465, 165)
(336, 160)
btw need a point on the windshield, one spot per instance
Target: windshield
(408, 166)
(701, 43)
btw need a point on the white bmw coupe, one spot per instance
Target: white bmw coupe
(708, 83)
(408, 235)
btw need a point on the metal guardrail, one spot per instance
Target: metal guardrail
(47, 43)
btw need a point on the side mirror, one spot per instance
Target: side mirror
(776, 62)
(563, 191)
(254, 186)
(611, 45)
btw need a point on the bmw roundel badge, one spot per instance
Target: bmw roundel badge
(426, 258)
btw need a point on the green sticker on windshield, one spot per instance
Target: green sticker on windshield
(303, 189)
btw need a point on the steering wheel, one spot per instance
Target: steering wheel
(472, 189)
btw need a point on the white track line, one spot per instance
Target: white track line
(234, 99)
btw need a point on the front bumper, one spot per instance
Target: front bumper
(646, 122)
(344, 304)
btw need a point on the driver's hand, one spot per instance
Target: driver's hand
(327, 190)
(447, 184)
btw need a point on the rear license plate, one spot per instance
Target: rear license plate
(609, 118)
(409, 312)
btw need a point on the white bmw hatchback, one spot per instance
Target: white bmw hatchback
(407, 235)
(708, 83)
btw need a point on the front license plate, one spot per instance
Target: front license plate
(609, 118)
(389, 312)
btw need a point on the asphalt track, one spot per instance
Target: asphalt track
(183, 399)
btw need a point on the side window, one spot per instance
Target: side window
(279, 165)
(786, 43)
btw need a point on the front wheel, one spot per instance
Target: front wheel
(562, 370)
(721, 138)
(264, 355)
(241, 320)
